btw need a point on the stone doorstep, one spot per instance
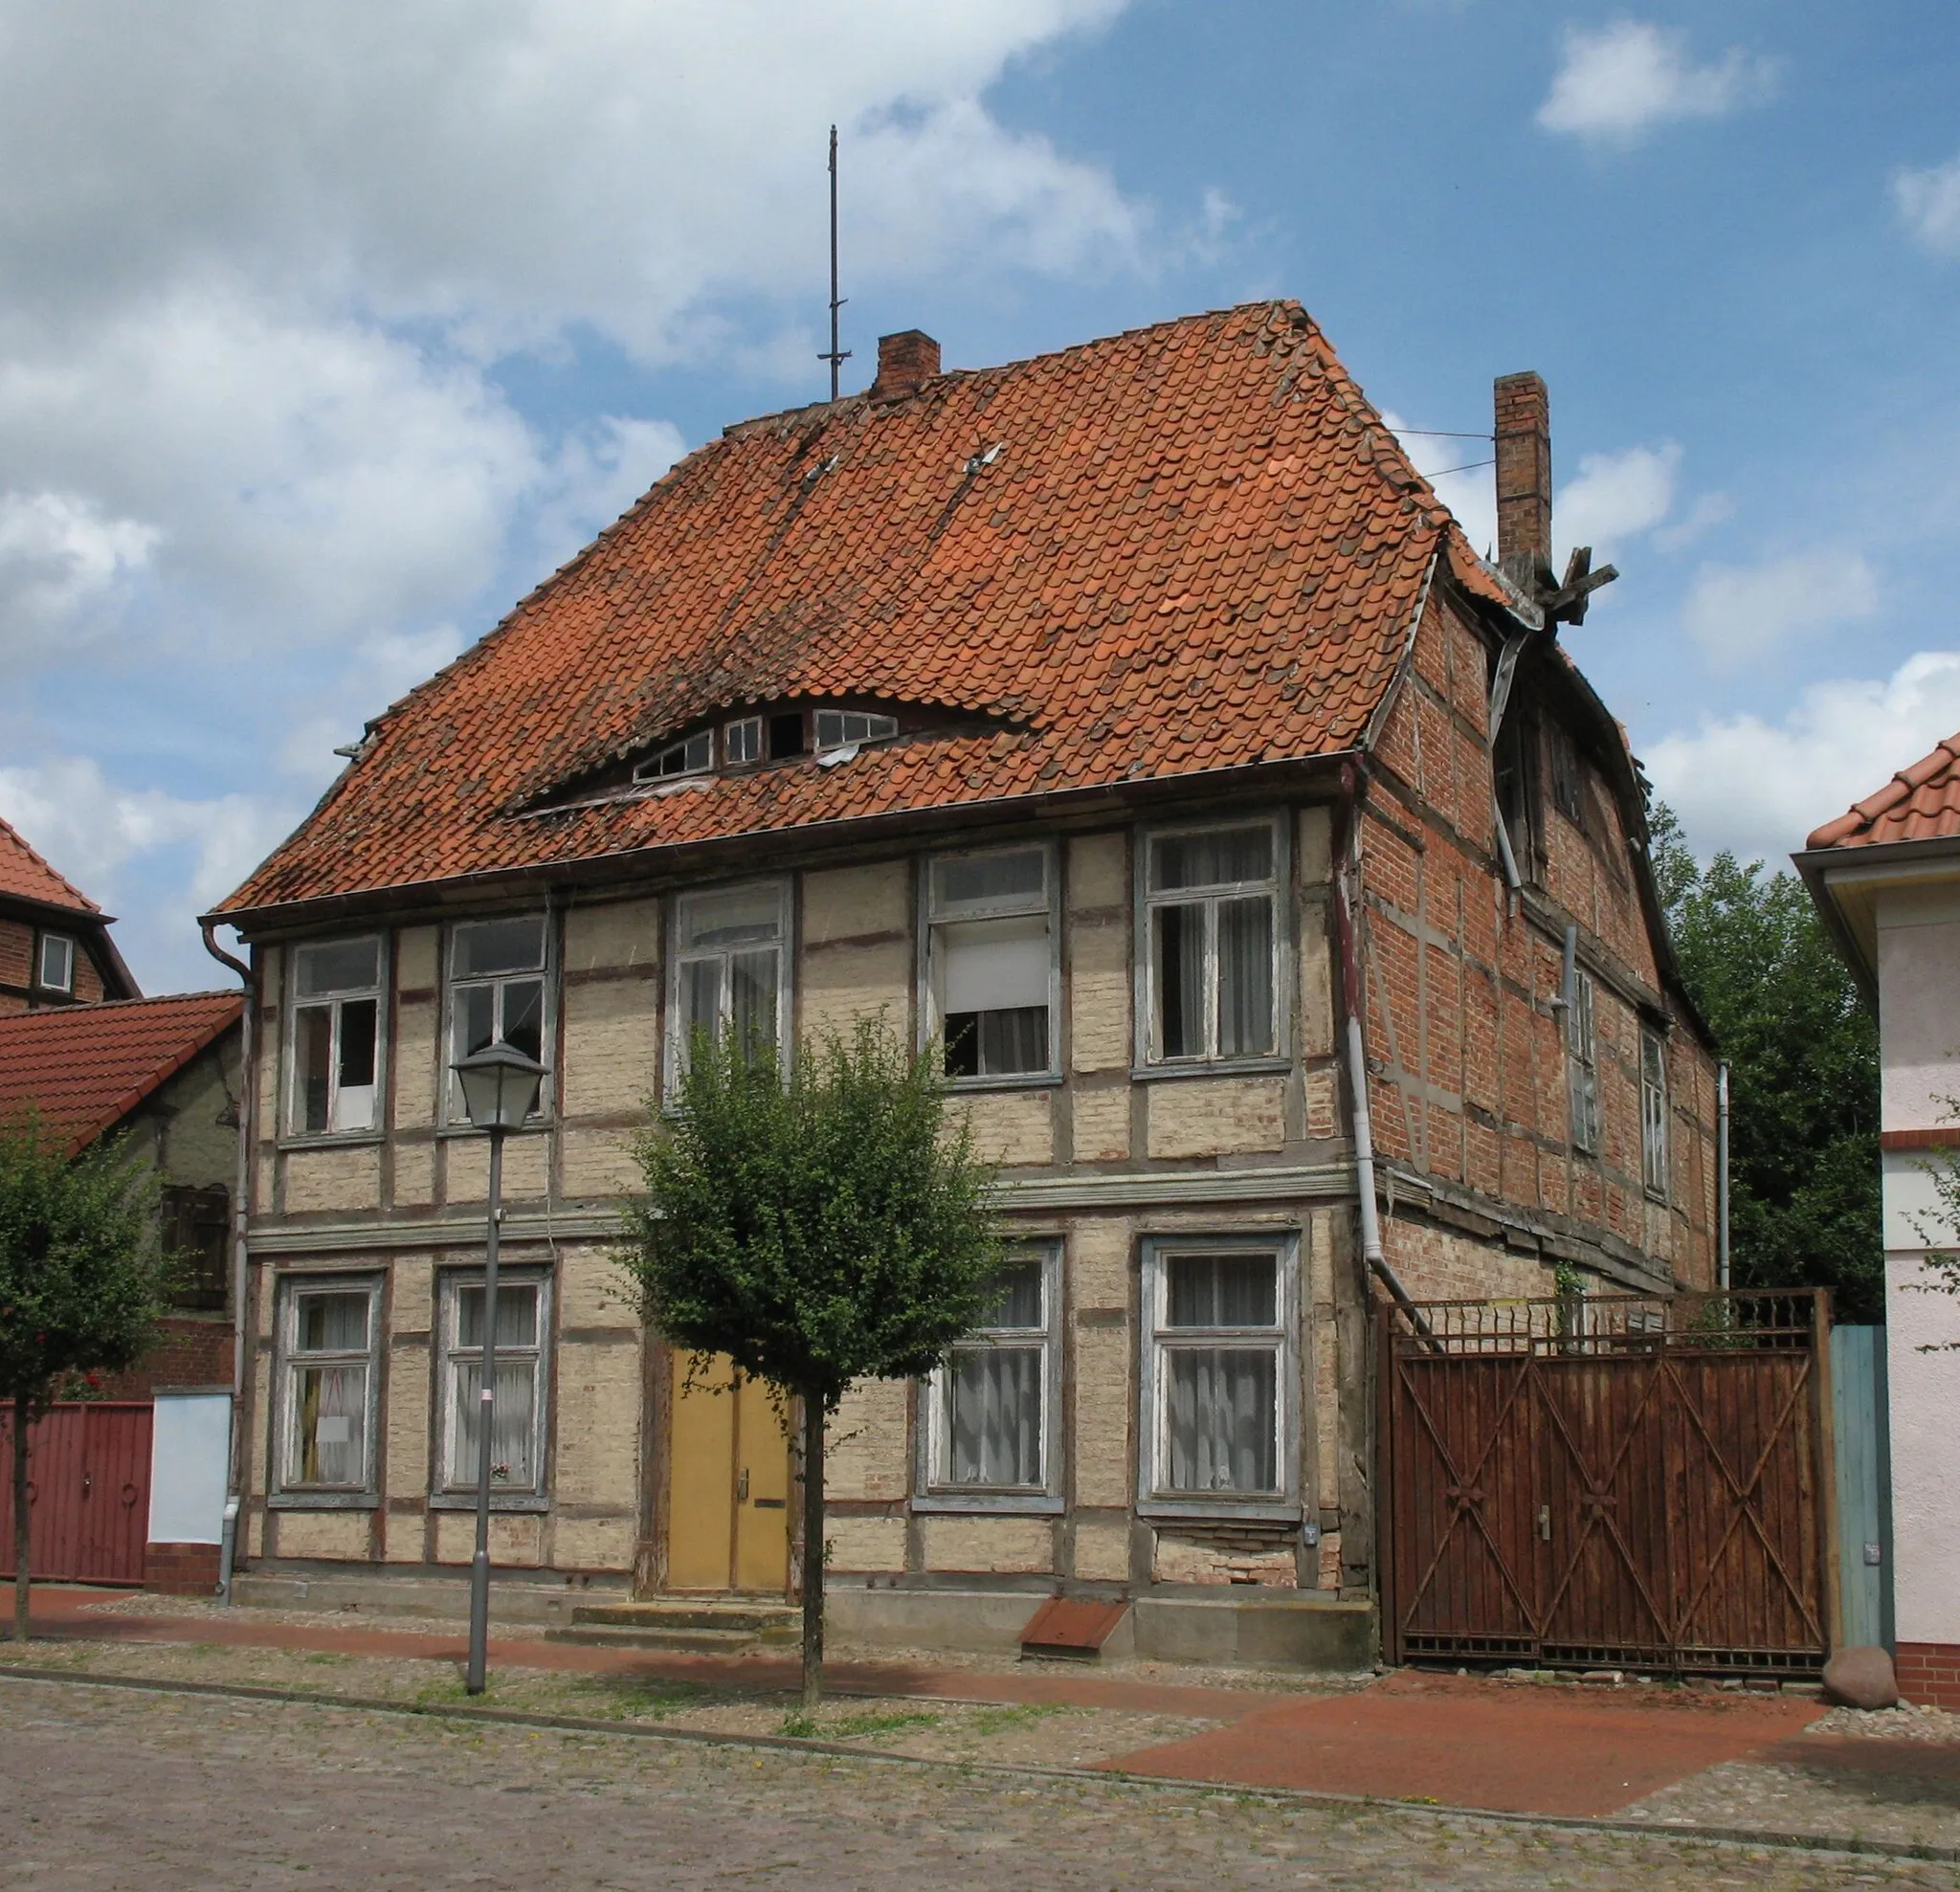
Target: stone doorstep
(701, 1624)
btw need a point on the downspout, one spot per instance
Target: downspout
(247, 1093)
(1722, 1176)
(1371, 1255)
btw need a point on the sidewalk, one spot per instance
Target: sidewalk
(1733, 1762)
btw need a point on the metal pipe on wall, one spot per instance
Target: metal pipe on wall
(1722, 1176)
(248, 1092)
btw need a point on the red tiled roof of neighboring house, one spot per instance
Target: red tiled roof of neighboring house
(25, 875)
(1918, 804)
(1197, 547)
(84, 1067)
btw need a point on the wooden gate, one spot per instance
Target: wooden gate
(88, 1493)
(1608, 1481)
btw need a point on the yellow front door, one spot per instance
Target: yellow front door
(728, 1484)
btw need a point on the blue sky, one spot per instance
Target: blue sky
(325, 330)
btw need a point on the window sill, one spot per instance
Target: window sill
(1219, 1067)
(324, 1501)
(1207, 1510)
(1019, 1081)
(534, 1127)
(333, 1140)
(501, 1502)
(973, 1504)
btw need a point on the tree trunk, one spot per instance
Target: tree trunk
(22, 1580)
(812, 1552)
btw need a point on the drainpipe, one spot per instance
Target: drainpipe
(1722, 1176)
(248, 1092)
(1371, 1254)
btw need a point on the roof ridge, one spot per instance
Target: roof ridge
(1900, 788)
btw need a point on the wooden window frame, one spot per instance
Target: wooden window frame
(286, 1493)
(934, 1492)
(447, 1492)
(453, 1116)
(42, 982)
(1582, 1063)
(931, 1013)
(675, 1043)
(1277, 888)
(1155, 1499)
(293, 1106)
(1654, 1106)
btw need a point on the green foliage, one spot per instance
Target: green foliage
(818, 1229)
(1804, 1073)
(82, 1276)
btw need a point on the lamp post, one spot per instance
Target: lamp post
(499, 1086)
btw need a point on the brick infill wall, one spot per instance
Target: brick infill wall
(181, 1570)
(1929, 1673)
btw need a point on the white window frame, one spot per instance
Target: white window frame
(286, 1491)
(454, 1116)
(1149, 1059)
(454, 1486)
(1653, 1152)
(697, 754)
(935, 1492)
(877, 726)
(1154, 1498)
(296, 1003)
(1582, 1063)
(757, 732)
(1047, 903)
(66, 982)
(675, 1049)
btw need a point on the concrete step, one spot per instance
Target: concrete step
(754, 1617)
(699, 1641)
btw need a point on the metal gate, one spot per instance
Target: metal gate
(88, 1492)
(1608, 1481)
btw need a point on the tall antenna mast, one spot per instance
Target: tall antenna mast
(838, 356)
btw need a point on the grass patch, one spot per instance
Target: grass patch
(636, 1699)
(326, 1659)
(852, 1727)
(991, 1721)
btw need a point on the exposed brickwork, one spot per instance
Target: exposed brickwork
(181, 1570)
(1523, 467)
(1929, 1673)
(189, 1352)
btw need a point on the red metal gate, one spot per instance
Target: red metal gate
(88, 1493)
(1608, 1481)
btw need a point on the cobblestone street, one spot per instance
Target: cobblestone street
(102, 1790)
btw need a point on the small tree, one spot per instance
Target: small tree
(83, 1281)
(818, 1229)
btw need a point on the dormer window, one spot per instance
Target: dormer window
(695, 755)
(841, 728)
(741, 741)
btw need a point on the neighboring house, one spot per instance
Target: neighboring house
(1886, 878)
(1124, 719)
(163, 1072)
(54, 944)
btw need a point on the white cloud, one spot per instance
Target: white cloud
(1741, 613)
(1708, 511)
(112, 840)
(1928, 203)
(1760, 786)
(58, 557)
(1619, 79)
(1616, 497)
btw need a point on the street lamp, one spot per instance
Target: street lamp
(499, 1086)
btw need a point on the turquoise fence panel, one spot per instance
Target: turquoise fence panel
(1864, 1484)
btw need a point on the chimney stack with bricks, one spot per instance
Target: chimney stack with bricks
(1523, 479)
(905, 361)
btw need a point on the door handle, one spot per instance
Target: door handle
(88, 1483)
(1545, 1522)
(742, 1486)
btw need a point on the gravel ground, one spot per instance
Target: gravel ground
(1290, 1681)
(1043, 1736)
(1900, 1724)
(106, 1790)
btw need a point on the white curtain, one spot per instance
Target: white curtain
(511, 1430)
(1221, 1418)
(996, 1415)
(1245, 978)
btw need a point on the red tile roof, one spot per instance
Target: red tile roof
(85, 1067)
(25, 875)
(1918, 804)
(1197, 549)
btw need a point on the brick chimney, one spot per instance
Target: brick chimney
(1523, 477)
(905, 361)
